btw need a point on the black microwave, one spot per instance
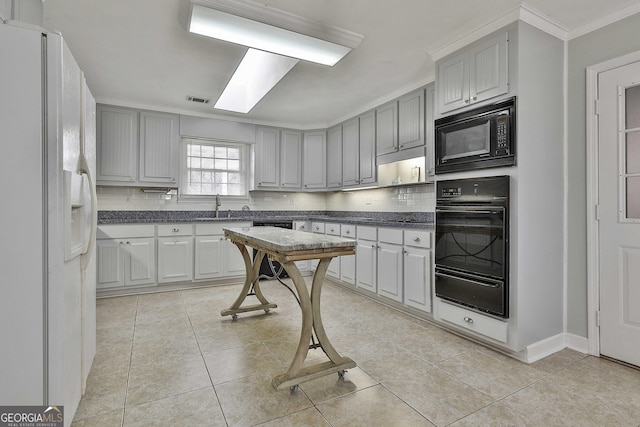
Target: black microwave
(484, 137)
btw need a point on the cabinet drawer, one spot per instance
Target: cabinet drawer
(122, 231)
(417, 238)
(181, 229)
(212, 229)
(348, 231)
(332, 229)
(390, 235)
(367, 233)
(473, 321)
(317, 227)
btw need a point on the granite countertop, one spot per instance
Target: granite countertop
(376, 219)
(284, 240)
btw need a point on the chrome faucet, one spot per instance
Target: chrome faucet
(217, 204)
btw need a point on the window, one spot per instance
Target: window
(214, 167)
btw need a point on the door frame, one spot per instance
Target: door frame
(593, 226)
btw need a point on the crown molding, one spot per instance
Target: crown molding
(604, 21)
(524, 13)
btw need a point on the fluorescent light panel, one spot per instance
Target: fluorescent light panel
(258, 35)
(256, 75)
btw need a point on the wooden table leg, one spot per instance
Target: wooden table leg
(252, 272)
(311, 321)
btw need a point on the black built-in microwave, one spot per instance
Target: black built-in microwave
(484, 137)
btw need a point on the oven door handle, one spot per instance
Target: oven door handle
(475, 282)
(469, 211)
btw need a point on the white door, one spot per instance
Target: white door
(619, 207)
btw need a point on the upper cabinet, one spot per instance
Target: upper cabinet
(137, 148)
(387, 128)
(267, 149)
(159, 148)
(400, 125)
(290, 156)
(411, 120)
(474, 74)
(315, 160)
(334, 157)
(359, 150)
(278, 162)
(367, 167)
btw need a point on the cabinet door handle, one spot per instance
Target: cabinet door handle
(468, 319)
(416, 239)
(466, 101)
(475, 98)
(348, 232)
(175, 230)
(133, 179)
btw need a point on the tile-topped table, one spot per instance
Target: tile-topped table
(287, 246)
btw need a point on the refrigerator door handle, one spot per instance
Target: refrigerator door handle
(86, 255)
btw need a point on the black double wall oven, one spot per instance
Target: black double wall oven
(472, 243)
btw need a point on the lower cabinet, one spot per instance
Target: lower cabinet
(390, 266)
(417, 269)
(126, 256)
(366, 258)
(175, 253)
(334, 266)
(348, 262)
(215, 256)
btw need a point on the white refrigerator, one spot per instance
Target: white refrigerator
(48, 213)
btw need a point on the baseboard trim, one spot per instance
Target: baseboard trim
(548, 346)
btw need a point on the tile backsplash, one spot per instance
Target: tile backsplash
(398, 199)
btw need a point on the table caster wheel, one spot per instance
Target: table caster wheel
(267, 310)
(341, 373)
(234, 317)
(293, 388)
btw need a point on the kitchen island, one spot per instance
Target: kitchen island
(286, 246)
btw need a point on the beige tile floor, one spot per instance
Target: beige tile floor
(170, 359)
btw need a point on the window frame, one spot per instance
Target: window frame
(245, 169)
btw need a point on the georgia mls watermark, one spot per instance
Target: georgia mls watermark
(31, 416)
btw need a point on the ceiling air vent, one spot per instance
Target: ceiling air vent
(198, 99)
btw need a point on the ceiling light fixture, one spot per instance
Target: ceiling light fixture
(256, 75)
(254, 25)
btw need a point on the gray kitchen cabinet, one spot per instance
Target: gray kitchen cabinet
(159, 148)
(417, 269)
(215, 256)
(348, 262)
(430, 154)
(267, 161)
(137, 148)
(387, 128)
(411, 120)
(334, 157)
(314, 160)
(366, 258)
(303, 226)
(351, 153)
(290, 159)
(175, 253)
(359, 150)
(389, 271)
(278, 159)
(125, 256)
(333, 270)
(208, 257)
(367, 149)
(117, 145)
(477, 73)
